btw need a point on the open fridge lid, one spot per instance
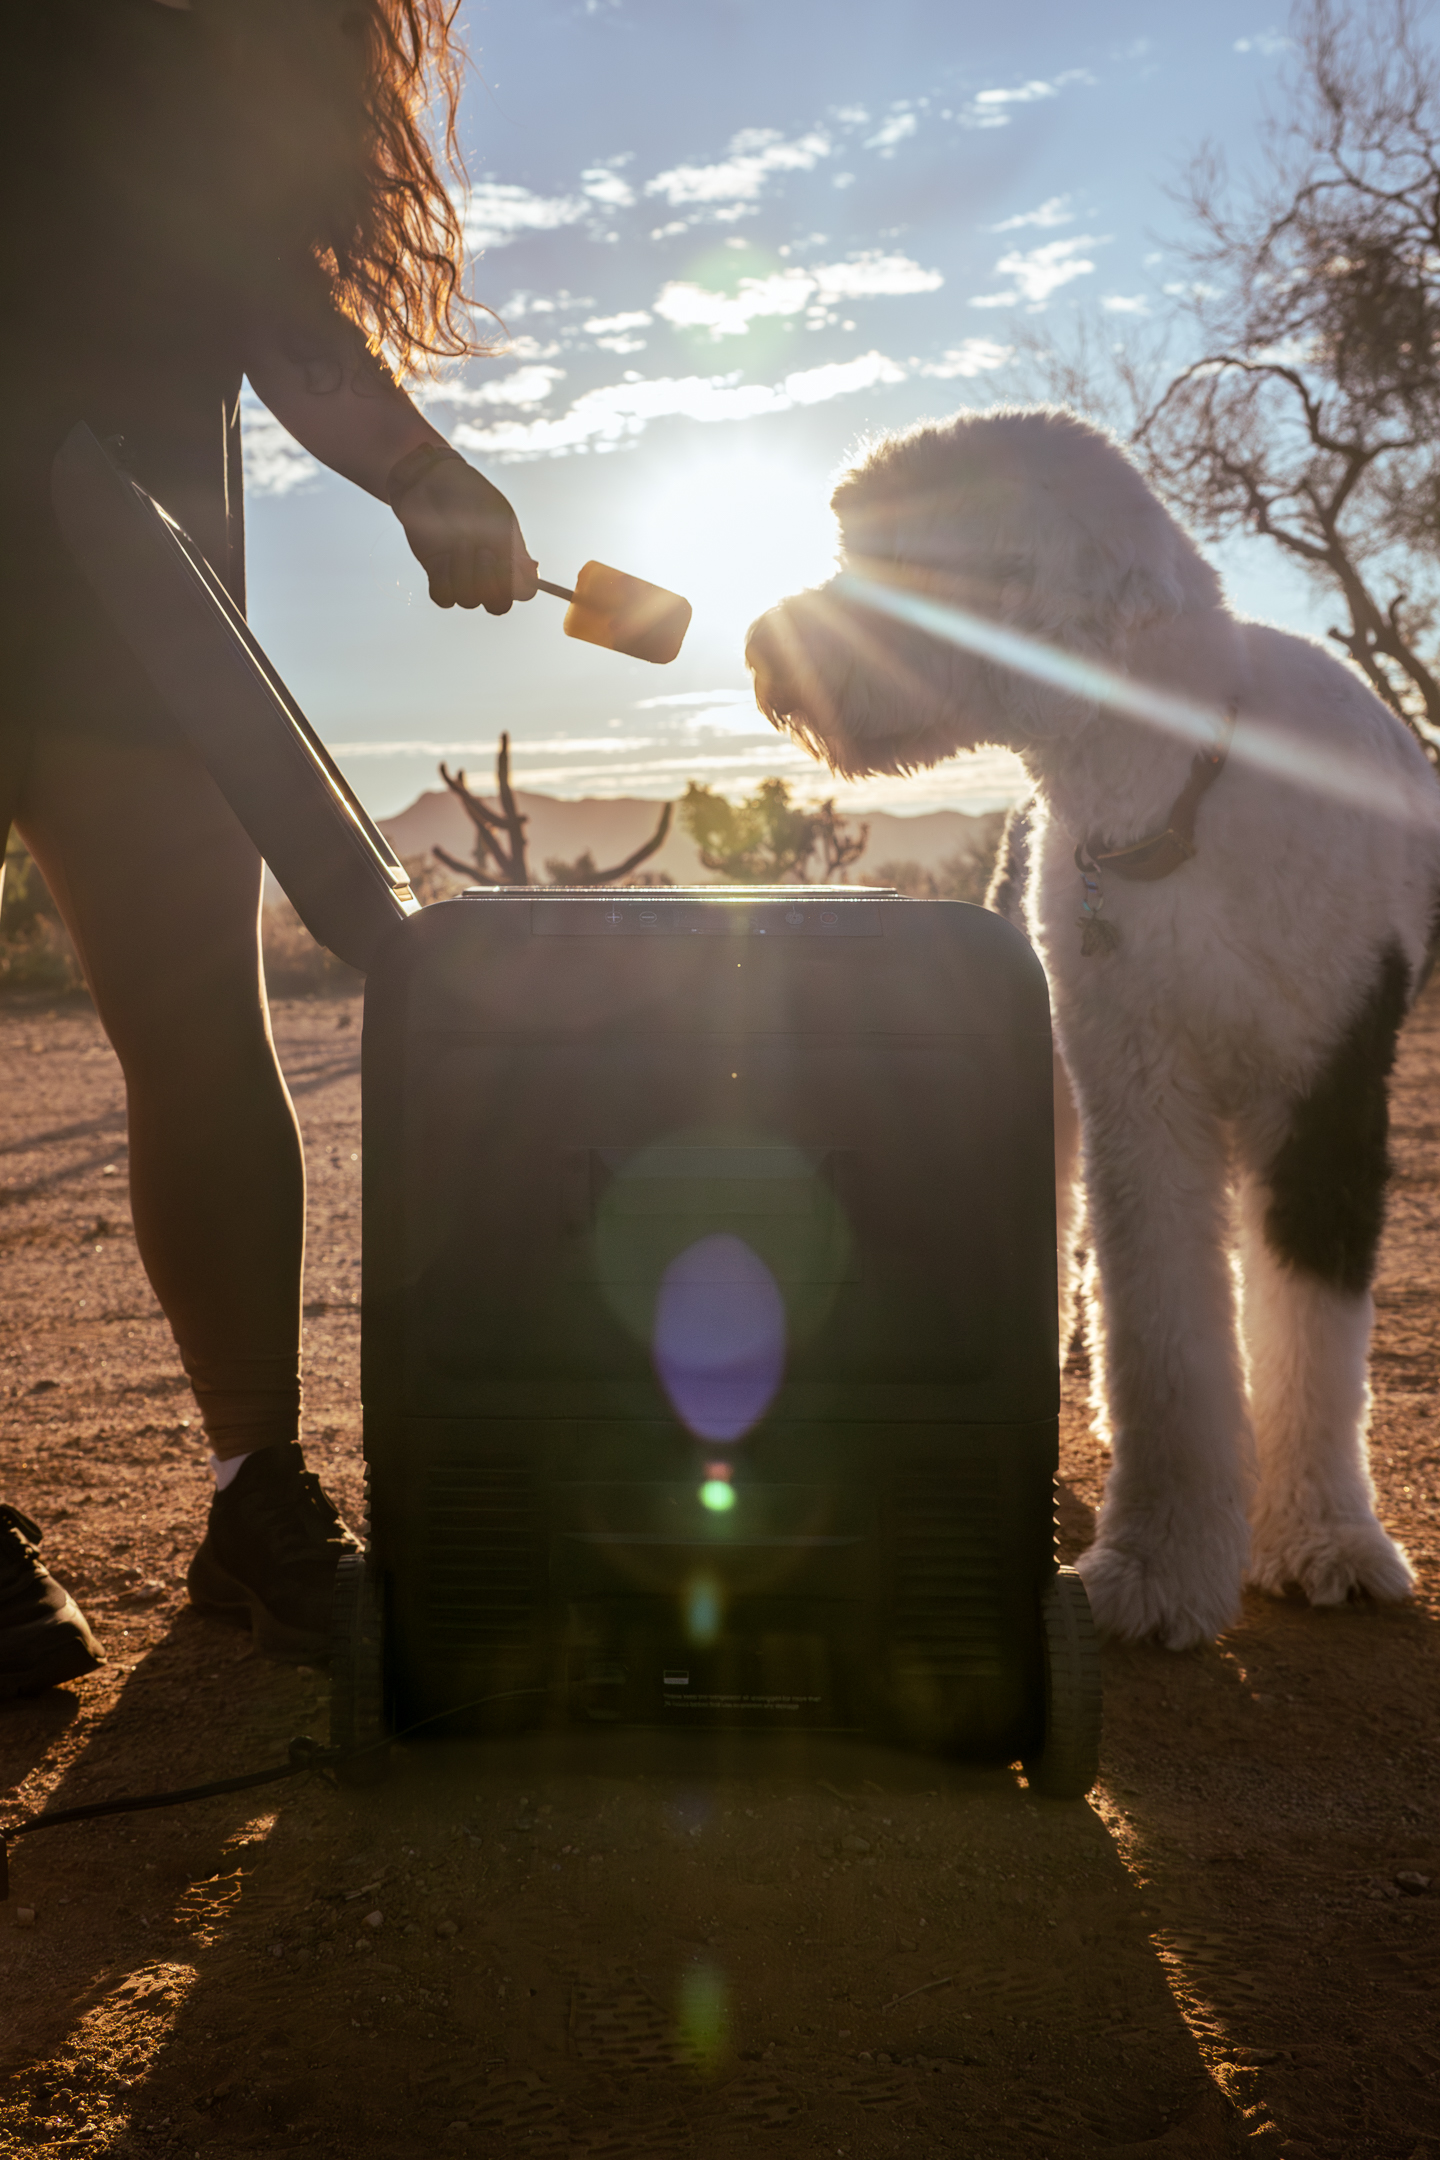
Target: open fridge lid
(343, 878)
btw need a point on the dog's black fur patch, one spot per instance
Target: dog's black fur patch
(1327, 1182)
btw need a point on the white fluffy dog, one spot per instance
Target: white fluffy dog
(1231, 940)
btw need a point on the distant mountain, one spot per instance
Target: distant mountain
(612, 827)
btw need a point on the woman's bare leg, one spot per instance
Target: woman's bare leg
(160, 889)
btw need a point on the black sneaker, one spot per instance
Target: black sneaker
(44, 1636)
(273, 1543)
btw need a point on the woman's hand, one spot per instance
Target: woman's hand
(322, 383)
(466, 537)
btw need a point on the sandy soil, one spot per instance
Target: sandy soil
(663, 1945)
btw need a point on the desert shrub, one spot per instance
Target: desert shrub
(769, 839)
(585, 873)
(36, 952)
(430, 880)
(295, 966)
(959, 877)
(35, 948)
(42, 959)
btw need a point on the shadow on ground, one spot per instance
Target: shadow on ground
(577, 1944)
(594, 1944)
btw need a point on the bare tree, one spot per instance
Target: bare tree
(583, 871)
(500, 856)
(1311, 416)
(499, 834)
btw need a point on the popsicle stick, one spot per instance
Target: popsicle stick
(561, 592)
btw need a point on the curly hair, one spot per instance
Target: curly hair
(342, 164)
(397, 269)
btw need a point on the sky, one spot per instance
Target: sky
(729, 240)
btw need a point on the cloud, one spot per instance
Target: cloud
(563, 302)
(702, 714)
(813, 291)
(697, 307)
(892, 132)
(738, 770)
(873, 275)
(498, 213)
(275, 464)
(408, 746)
(1266, 42)
(976, 356)
(756, 155)
(1041, 271)
(658, 763)
(604, 185)
(991, 108)
(523, 347)
(615, 413)
(1125, 304)
(1026, 94)
(527, 386)
(696, 697)
(815, 386)
(1056, 211)
(612, 333)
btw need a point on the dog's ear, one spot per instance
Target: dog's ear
(1092, 569)
(1150, 572)
(1031, 517)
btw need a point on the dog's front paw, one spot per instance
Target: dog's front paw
(1330, 1560)
(1141, 1592)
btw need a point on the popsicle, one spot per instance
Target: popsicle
(610, 608)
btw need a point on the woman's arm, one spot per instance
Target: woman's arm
(336, 400)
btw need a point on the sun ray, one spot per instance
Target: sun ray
(1322, 767)
(809, 680)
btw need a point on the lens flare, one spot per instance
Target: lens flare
(704, 1609)
(719, 1337)
(704, 2015)
(1323, 767)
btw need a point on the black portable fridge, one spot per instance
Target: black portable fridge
(709, 1334)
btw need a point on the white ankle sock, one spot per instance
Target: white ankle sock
(223, 1469)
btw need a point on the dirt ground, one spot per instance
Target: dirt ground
(668, 1945)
